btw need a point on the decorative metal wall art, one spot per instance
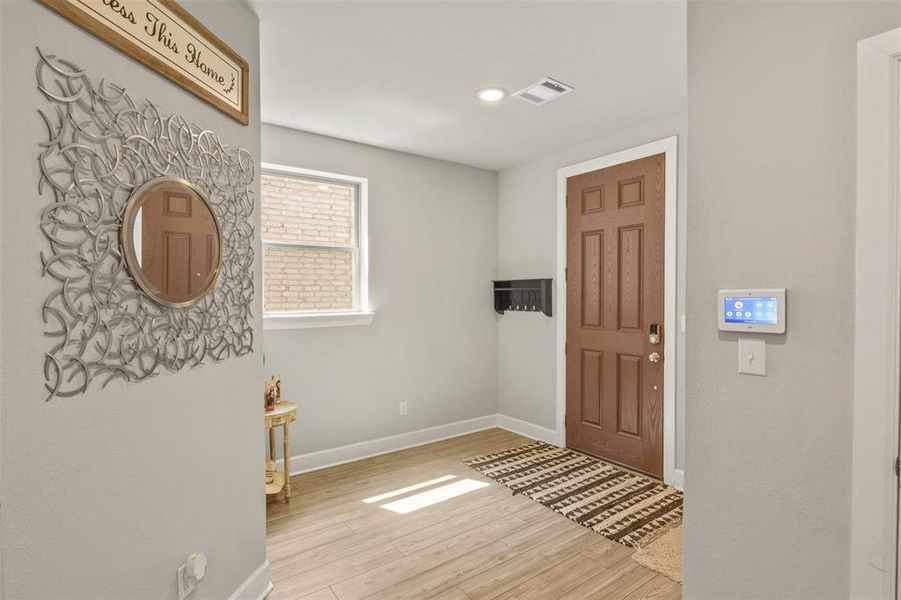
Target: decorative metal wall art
(101, 147)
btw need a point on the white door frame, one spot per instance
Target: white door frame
(877, 324)
(668, 146)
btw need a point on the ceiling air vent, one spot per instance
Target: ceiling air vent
(544, 91)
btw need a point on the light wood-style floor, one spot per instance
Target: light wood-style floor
(329, 544)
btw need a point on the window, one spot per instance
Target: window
(314, 248)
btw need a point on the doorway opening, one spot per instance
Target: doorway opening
(877, 321)
(633, 343)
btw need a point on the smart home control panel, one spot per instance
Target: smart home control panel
(752, 310)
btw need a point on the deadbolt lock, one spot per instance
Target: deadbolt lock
(654, 333)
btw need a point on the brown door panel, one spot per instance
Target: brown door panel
(613, 341)
(614, 393)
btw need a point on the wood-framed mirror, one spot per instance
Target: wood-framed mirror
(171, 241)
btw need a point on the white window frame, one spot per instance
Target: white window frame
(361, 314)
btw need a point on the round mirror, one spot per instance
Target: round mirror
(171, 241)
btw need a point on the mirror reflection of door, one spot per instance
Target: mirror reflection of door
(179, 249)
(171, 241)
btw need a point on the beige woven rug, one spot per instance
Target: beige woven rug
(663, 554)
(620, 505)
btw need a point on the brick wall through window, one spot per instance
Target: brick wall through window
(298, 279)
(303, 212)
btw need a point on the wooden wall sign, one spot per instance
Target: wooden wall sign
(165, 37)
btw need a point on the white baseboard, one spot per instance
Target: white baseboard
(678, 481)
(530, 430)
(312, 461)
(321, 459)
(255, 587)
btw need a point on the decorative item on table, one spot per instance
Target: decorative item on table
(269, 397)
(277, 382)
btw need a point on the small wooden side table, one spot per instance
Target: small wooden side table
(282, 415)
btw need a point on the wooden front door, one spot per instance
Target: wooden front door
(614, 297)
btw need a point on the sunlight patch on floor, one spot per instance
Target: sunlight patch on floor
(440, 494)
(411, 488)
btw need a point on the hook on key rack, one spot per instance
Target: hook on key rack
(528, 295)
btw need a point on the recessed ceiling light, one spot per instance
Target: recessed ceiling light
(491, 94)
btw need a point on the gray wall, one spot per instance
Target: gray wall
(527, 245)
(772, 146)
(433, 342)
(103, 495)
(2, 130)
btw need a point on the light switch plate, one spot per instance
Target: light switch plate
(752, 356)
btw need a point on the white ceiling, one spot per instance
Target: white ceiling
(403, 75)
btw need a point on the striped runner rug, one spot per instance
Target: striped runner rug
(620, 505)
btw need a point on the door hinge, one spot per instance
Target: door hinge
(564, 420)
(565, 347)
(565, 273)
(897, 466)
(566, 202)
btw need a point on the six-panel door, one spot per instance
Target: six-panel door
(615, 271)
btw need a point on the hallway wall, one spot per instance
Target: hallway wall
(771, 113)
(104, 495)
(433, 341)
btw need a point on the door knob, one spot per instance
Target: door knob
(654, 357)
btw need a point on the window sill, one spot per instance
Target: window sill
(274, 321)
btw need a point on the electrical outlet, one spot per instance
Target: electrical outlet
(402, 408)
(185, 586)
(190, 574)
